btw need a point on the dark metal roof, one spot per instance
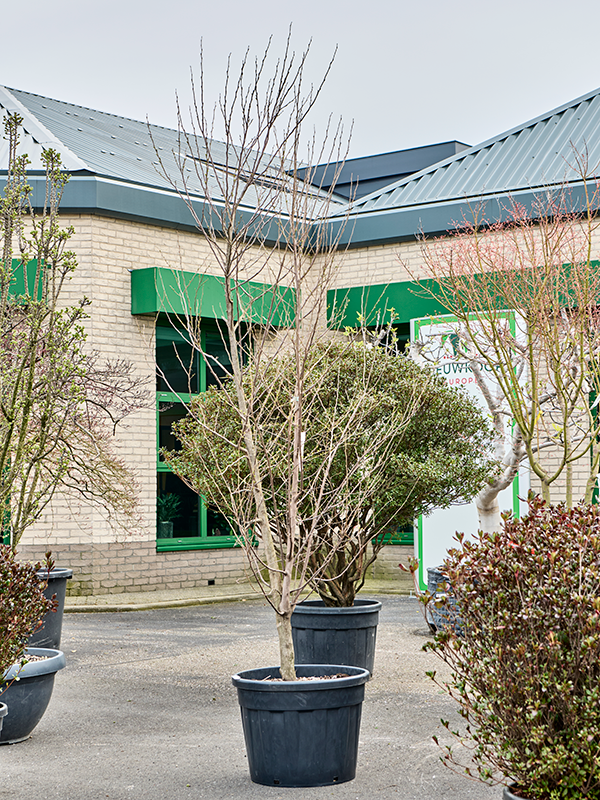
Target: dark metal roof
(531, 156)
(361, 176)
(115, 172)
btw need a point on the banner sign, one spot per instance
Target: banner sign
(436, 343)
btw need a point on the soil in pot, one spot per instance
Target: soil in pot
(507, 794)
(301, 733)
(325, 635)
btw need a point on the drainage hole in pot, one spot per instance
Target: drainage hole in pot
(276, 782)
(335, 778)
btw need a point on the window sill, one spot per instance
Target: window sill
(192, 543)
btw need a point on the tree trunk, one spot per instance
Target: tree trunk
(286, 646)
(488, 510)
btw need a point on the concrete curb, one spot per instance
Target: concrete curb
(149, 606)
(142, 601)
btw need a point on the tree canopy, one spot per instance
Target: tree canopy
(384, 440)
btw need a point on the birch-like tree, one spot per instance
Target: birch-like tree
(539, 368)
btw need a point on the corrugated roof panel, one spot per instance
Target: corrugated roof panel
(124, 149)
(533, 155)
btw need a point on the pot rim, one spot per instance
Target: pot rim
(55, 660)
(56, 573)
(508, 793)
(317, 607)
(356, 677)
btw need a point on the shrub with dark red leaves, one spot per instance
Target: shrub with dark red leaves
(526, 672)
(22, 606)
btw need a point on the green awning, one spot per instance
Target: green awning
(158, 289)
(374, 304)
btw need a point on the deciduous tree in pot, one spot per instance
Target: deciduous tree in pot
(526, 667)
(290, 445)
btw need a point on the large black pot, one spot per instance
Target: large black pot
(49, 634)
(301, 733)
(324, 635)
(28, 698)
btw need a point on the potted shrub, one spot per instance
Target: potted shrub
(526, 666)
(433, 461)
(167, 509)
(27, 673)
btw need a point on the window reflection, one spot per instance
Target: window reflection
(168, 413)
(177, 367)
(186, 520)
(218, 363)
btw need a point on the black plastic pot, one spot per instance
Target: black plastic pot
(28, 698)
(49, 634)
(324, 635)
(3, 713)
(301, 733)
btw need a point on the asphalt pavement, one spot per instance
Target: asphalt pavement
(145, 709)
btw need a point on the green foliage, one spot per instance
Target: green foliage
(167, 507)
(384, 440)
(526, 672)
(22, 606)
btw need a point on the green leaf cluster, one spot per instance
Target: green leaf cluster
(384, 441)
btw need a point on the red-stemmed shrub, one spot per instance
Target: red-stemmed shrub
(22, 606)
(526, 667)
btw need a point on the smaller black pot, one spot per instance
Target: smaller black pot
(27, 699)
(301, 733)
(50, 632)
(324, 635)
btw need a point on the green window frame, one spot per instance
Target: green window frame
(195, 526)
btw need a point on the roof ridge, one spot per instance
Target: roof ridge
(88, 108)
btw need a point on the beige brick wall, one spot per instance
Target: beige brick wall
(115, 567)
(108, 559)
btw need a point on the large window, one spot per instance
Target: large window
(184, 522)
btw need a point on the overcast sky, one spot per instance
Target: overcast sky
(408, 73)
